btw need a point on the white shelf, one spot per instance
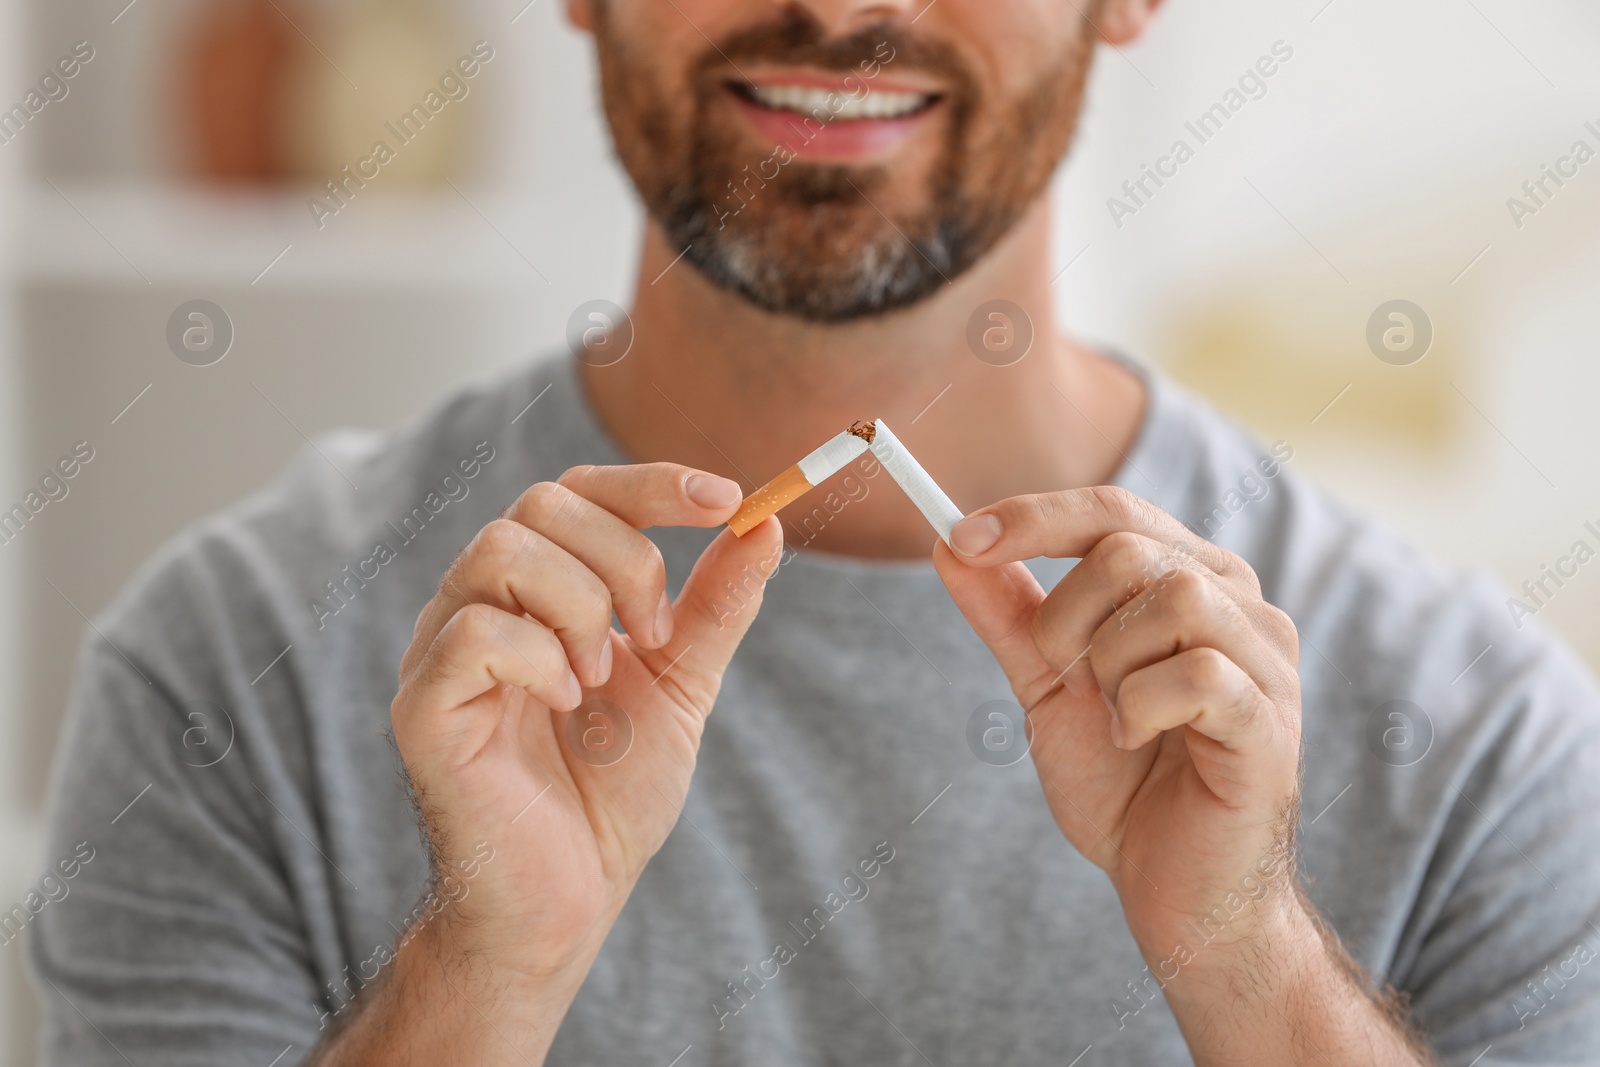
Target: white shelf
(140, 235)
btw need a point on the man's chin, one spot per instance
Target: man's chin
(824, 287)
(824, 259)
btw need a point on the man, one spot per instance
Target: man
(878, 861)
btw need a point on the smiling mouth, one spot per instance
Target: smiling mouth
(832, 105)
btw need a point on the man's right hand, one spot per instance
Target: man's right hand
(520, 623)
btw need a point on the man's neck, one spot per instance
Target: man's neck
(713, 382)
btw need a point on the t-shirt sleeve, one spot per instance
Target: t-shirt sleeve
(1508, 970)
(174, 936)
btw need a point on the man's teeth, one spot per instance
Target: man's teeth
(875, 104)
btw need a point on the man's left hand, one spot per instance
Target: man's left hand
(1163, 703)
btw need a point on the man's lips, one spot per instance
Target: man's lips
(828, 117)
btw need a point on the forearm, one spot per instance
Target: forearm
(1287, 992)
(443, 1003)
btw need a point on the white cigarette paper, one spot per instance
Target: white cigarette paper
(940, 511)
(831, 458)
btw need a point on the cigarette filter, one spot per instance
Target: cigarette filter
(810, 472)
(940, 511)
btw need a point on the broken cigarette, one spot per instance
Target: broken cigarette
(793, 483)
(940, 511)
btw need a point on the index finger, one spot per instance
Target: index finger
(1067, 524)
(657, 494)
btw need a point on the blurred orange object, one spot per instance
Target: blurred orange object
(234, 64)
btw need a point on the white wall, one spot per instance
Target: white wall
(18, 815)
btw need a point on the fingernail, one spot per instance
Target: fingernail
(975, 536)
(574, 690)
(663, 628)
(1117, 736)
(709, 491)
(603, 668)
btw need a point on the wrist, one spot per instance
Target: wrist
(1279, 988)
(1218, 961)
(435, 1000)
(1263, 953)
(516, 993)
(511, 920)
(1205, 944)
(1202, 963)
(528, 953)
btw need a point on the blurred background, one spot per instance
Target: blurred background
(1384, 159)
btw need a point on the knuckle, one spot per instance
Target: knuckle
(1118, 503)
(1133, 696)
(1284, 635)
(474, 626)
(1175, 556)
(1282, 626)
(574, 474)
(1123, 553)
(668, 476)
(1036, 515)
(1037, 511)
(1246, 709)
(643, 563)
(1235, 567)
(1208, 672)
(544, 502)
(501, 543)
(1189, 590)
(594, 605)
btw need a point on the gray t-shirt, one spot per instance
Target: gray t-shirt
(253, 858)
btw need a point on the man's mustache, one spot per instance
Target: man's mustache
(796, 38)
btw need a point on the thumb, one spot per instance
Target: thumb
(1000, 604)
(716, 607)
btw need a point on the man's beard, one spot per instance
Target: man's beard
(828, 242)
